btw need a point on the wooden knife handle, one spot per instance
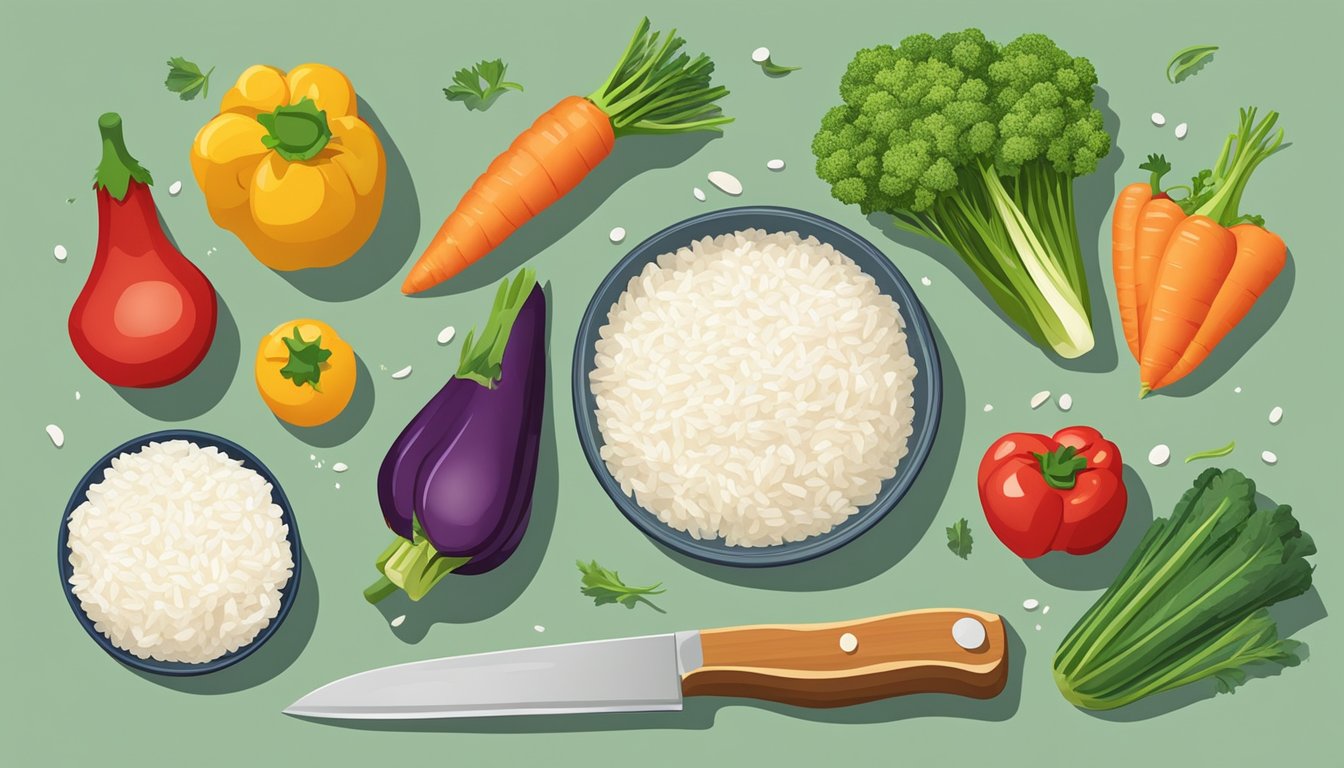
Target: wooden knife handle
(808, 665)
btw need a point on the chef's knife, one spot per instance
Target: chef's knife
(813, 665)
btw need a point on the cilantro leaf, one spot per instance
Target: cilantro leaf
(605, 587)
(478, 87)
(959, 538)
(305, 360)
(186, 79)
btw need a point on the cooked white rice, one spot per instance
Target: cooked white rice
(179, 554)
(754, 387)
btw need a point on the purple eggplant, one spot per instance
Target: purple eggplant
(456, 485)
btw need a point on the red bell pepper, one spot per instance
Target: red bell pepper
(1064, 492)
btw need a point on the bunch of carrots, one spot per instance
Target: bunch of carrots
(654, 89)
(1188, 269)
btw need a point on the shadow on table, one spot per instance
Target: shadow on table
(1093, 196)
(700, 712)
(466, 599)
(392, 241)
(1262, 316)
(1291, 616)
(632, 156)
(203, 388)
(346, 424)
(1099, 569)
(270, 659)
(891, 539)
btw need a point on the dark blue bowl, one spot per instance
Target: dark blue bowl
(95, 475)
(928, 394)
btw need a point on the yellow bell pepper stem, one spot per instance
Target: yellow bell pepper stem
(296, 132)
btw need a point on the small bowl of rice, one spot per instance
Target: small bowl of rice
(179, 553)
(756, 386)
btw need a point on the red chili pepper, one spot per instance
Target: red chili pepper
(1053, 493)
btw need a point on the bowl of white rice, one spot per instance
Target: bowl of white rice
(179, 553)
(756, 386)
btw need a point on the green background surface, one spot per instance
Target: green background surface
(65, 701)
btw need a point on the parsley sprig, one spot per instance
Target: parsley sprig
(186, 79)
(479, 86)
(605, 587)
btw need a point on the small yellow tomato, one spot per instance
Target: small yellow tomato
(305, 372)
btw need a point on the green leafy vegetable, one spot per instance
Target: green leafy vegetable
(1158, 167)
(1188, 61)
(305, 360)
(186, 79)
(1212, 453)
(959, 538)
(479, 86)
(976, 145)
(483, 355)
(1191, 602)
(606, 587)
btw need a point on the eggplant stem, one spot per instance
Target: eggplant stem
(379, 589)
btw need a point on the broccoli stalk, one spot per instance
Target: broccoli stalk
(976, 145)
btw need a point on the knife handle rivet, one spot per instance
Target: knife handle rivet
(849, 643)
(968, 633)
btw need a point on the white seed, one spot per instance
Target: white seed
(397, 621)
(925, 281)
(339, 467)
(1159, 454)
(726, 182)
(403, 373)
(338, 486)
(1038, 399)
(56, 435)
(60, 253)
(1038, 627)
(175, 188)
(1065, 401)
(849, 643)
(538, 628)
(760, 55)
(312, 457)
(1031, 603)
(1045, 610)
(76, 394)
(1181, 130)
(988, 407)
(1159, 119)
(1269, 457)
(447, 334)
(699, 193)
(1275, 415)
(617, 234)
(1237, 390)
(775, 165)
(968, 633)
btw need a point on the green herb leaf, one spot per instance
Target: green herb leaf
(959, 538)
(479, 86)
(605, 587)
(186, 79)
(305, 360)
(1212, 453)
(1188, 61)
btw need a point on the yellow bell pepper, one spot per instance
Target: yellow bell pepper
(290, 168)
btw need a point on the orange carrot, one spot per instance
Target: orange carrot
(1260, 256)
(1157, 224)
(1124, 226)
(1192, 271)
(654, 89)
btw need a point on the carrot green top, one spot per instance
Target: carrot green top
(656, 88)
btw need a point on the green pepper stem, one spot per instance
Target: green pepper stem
(296, 132)
(117, 168)
(1061, 466)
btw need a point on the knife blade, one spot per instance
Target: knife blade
(819, 665)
